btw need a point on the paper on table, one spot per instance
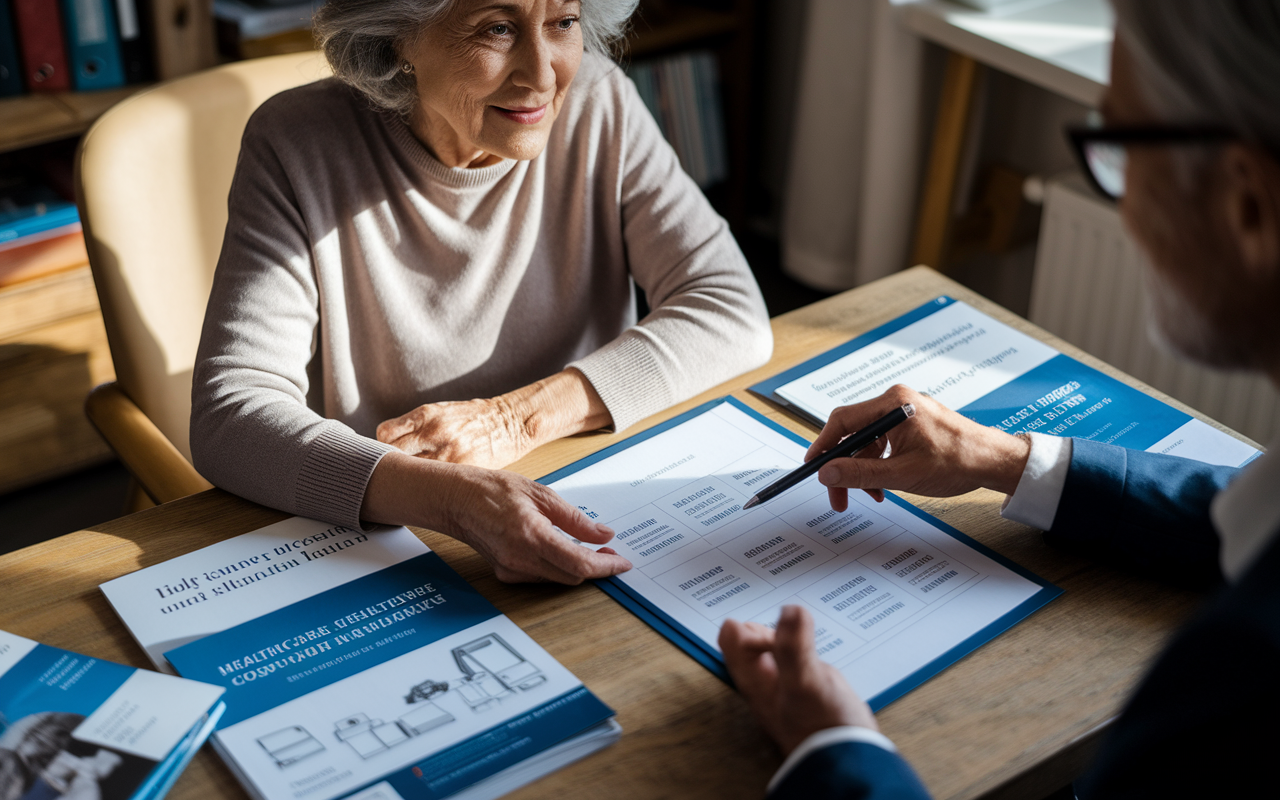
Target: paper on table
(897, 596)
(999, 376)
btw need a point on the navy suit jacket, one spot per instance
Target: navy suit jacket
(1201, 724)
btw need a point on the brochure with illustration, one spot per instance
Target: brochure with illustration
(897, 594)
(76, 726)
(999, 376)
(360, 665)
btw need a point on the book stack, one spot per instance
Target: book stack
(76, 726)
(39, 232)
(683, 94)
(61, 45)
(257, 28)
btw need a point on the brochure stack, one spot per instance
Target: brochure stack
(359, 665)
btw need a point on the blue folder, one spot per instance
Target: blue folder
(692, 645)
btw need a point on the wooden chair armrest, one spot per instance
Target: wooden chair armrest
(150, 457)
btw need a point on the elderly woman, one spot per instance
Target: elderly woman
(439, 249)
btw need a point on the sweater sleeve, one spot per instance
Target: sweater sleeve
(708, 321)
(252, 432)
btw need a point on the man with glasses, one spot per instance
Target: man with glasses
(1189, 150)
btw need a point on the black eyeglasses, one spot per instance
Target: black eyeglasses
(1103, 154)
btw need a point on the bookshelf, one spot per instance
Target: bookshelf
(34, 119)
(53, 345)
(726, 28)
(673, 27)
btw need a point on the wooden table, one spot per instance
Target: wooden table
(1017, 718)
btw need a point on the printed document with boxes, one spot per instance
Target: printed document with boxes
(897, 594)
(360, 665)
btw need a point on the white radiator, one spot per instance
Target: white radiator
(1088, 290)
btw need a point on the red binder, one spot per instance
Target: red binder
(44, 53)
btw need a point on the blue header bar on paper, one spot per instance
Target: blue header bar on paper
(338, 633)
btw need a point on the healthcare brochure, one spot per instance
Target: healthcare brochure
(897, 594)
(358, 664)
(999, 376)
(76, 726)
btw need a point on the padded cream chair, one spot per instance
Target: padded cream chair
(152, 178)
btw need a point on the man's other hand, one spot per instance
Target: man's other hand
(793, 692)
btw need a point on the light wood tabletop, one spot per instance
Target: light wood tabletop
(1016, 718)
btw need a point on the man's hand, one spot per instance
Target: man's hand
(937, 452)
(793, 692)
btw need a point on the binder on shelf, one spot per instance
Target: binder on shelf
(135, 50)
(93, 44)
(43, 53)
(10, 67)
(183, 34)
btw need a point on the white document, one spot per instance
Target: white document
(895, 596)
(999, 376)
(223, 585)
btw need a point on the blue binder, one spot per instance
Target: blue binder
(10, 69)
(93, 44)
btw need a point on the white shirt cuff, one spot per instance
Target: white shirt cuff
(826, 738)
(1035, 501)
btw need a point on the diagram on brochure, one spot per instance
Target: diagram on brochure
(492, 671)
(896, 595)
(397, 715)
(998, 376)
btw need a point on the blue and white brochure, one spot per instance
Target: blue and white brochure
(243, 577)
(897, 594)
(402, 683)
(997, 376)
(76, 726)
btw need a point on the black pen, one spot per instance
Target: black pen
(848, 448)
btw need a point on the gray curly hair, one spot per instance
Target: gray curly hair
(361, 40)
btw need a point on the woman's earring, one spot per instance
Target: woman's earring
(406, 68)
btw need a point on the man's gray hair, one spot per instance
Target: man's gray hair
(1214, 62)
(361, 40)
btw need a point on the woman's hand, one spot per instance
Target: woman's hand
(793, 692)
(507, 518)
(494, 432)
(937, 452)
(489, 432)
(512, 521)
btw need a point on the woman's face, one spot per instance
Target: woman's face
(491, 77)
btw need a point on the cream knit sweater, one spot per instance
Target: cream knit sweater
(360, 278)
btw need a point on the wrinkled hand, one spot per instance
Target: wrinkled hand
(937, 452)
(509, 520)
(489, 432)
(791, 691)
